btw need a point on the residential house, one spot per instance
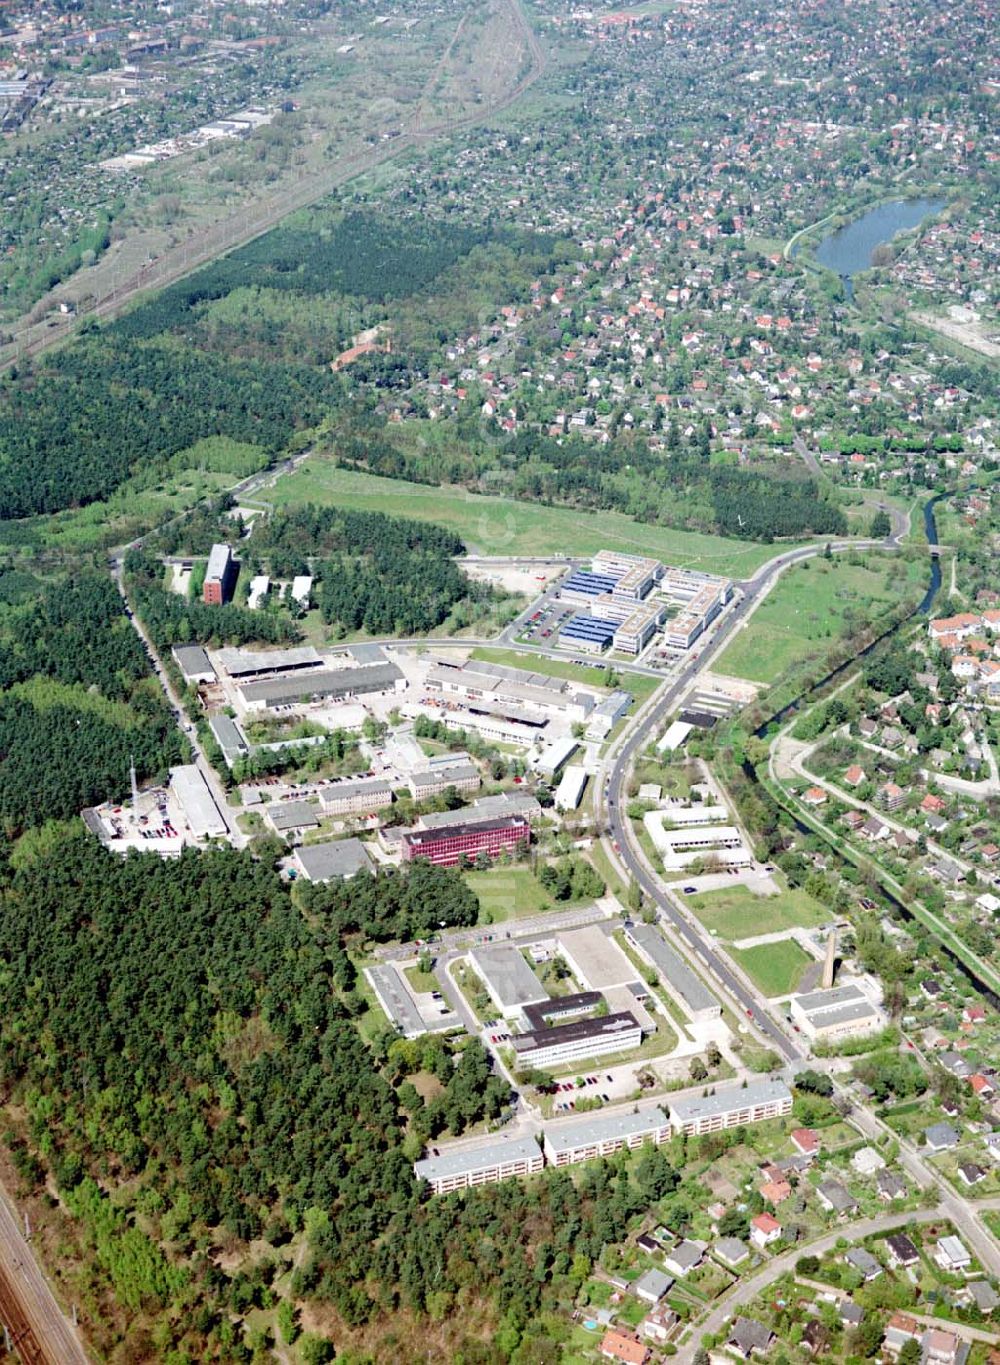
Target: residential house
(981, 1085)
(835, 1198)
(940, 1137)
(775, 1191)
(952, 1255)
(748, 1337)
(900, 1329)
(814, 796)
(866, 1161)
(764, 1229)
(684, 1257)
(652, 1286)
(854, 776)
(902, 1250)
(850, 1314)
(864, 1263)
(659, 1324)
(731, 1251)
(891, 1186)
(806, 1140)
(623, 1346)
(970, 1174)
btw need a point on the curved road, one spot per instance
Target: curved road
(745, 1291)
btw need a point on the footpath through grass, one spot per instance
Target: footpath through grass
(735, 912)
(503, 526)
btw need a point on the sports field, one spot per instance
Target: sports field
(735, 913)
(814, 604)
(775, 967)
(503, 526)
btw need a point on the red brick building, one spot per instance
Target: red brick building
(446, 846)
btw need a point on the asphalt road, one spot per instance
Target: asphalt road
(619, 829)
(57, 1341)
(746, 1290)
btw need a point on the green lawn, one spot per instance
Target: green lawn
(421, 981)
(503, 526)
(637, 683)
(775, 967)
(811, 606)
(735, 912)
(508, 893)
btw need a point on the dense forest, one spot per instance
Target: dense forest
(764, 501)
(77, 703)
(202, 1068)
(99, 411)
(171, 619)
(387, 575)
(365, 254)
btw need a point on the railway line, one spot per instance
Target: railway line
(247, 225)
(18, 1330)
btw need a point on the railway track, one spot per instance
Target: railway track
(20, 1333)
(245, 227)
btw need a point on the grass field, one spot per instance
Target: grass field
(775, 967)
(812, 605)
(502, 526)
(508, 893)
(735, 912)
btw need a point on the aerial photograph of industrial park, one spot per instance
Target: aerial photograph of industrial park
(499, 682)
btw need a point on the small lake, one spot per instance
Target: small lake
(848, 251)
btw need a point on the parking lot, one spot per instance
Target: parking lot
(546, 621)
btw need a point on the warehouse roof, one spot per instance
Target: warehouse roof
(672, 967)
(325, 682)
(330, 862)
(293, 815)
(239, 662)
(192, 661)
(197, 802)
(393, 996)
(834, 1001)
(510, 978)
(588, 1131)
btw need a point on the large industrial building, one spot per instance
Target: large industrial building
(338, 860)
(509, 981)
(194, 795)
(356, 796)
(481, 1165)
(750, 1103)
(328, 684)
(676, 977)
(220, 575)
(463, 776)
(393, 993)
(445, 847)
(512, 694)
(192, 660)
(840, 1012)
(594, 958)
(597, 1136)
